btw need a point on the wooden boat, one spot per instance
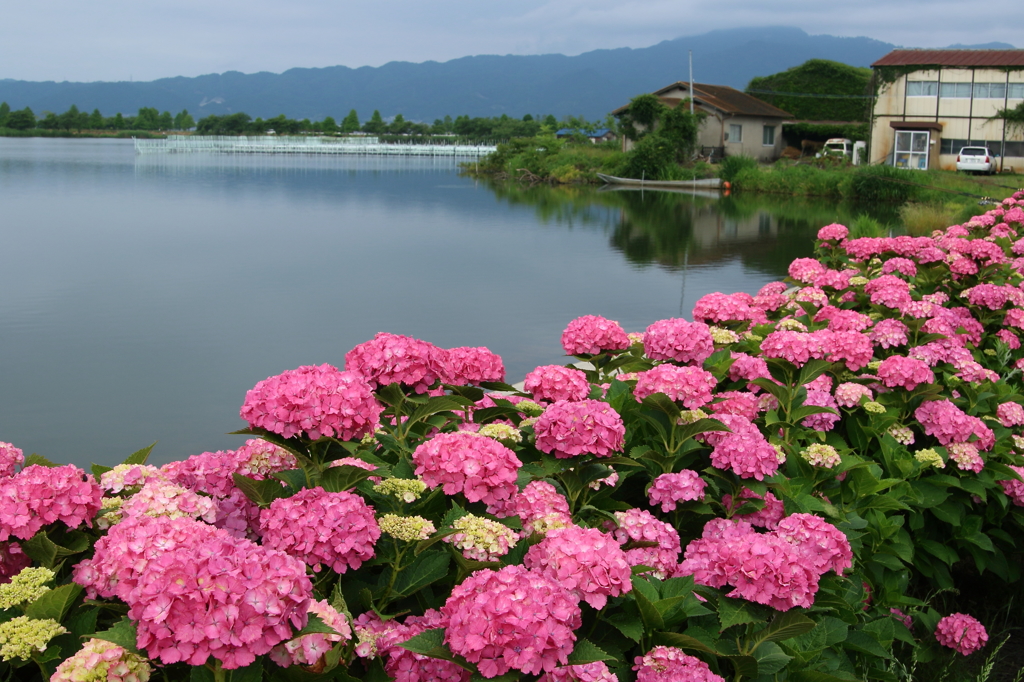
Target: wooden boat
(708, 183)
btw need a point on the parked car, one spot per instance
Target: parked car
(841, 146)
(976, 160)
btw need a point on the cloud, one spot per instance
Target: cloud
(118, 39)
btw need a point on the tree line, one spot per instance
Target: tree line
(491, 128)
(147, 118)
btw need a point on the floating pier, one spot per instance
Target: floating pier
(272, 144)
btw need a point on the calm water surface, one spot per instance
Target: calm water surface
(140, 297)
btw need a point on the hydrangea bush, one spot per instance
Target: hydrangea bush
(787, 487)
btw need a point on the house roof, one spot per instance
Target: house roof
(722, 97)
(964, 58)
(598, 132)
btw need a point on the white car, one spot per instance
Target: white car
(976, 160)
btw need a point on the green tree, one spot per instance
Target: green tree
(184, 120)
(23, 119)
(679, 127)
(119, 123)
(69, 119)
(528, 117)
(165, 121)
(50, 121)
(5, 111)
(376, 125)
(147, 119)
(95, 120)
(641, 116)
(399, 126)
(350, 124)
(329, 125)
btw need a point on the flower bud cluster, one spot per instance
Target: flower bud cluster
(406, 528)
(481, 539)
(102, 661)
(27, 586)
(129, 477)
(821, 455)
(22, 636)
(407, 490)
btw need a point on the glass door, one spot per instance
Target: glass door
(911, 150)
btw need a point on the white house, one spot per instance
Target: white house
(930, 103)
(737, 123)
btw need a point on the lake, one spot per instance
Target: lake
(141, 297)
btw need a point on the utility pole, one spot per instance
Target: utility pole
(691, 82)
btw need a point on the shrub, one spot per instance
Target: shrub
(732, 166)
(883, 184)
(922, 219)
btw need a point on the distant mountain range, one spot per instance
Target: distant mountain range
(591, 84)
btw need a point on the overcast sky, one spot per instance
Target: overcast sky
(116, 40)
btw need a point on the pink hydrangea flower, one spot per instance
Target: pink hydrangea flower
(309, 649)
(949, 424)
(679, 340)
(747, 368)
(848, 395)
(908, 373)
(10, 459)
(692, 386)
(1013, 488)
(966, 457)
(38, 496)
(259, 459)
(669, 664)
(840, 320)
(744, 404)
(1009, 338)
(588, 672)
(128, 476)
(585, 561)
(888, 333)
(162, 568)
(554, 382)
(637, 525)
(822, 421)
(396, 359)
(12, 560)
(806, 270)
(718, 307)
(163, 498)
(102, 660)
(593, 334)
(406, 666)
(336, 529)
(314, 400)
(540, 507)
(511, 619)
(745, 451)
(835, 232)
(821, 544)
(903, 266)
(468, 365)
(796, 347)
(1010, 414)
(668, 489)
(480, 468)
(767, 517)
(567, 429)
(962, 633)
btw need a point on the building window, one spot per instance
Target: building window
(955, 91)
(922, 88)
(768, 137)
(1016, 91)
(989, 90)
(735, 133)
(911, 149)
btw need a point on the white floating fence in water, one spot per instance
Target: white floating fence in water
(268, 144)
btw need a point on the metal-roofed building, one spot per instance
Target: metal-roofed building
(737, 123)
(931, 103)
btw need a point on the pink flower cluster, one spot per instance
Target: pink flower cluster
(512, 618)
(468, 365)
(163, 498)
(835, 231)
(12, 561)
(554, 382)
(849, 395)
(128, 476)
(1013, 488)
(313, 400)
(586, 562)
(308, 649)
(259, 459)
(780, 569)
(1010, 414)
(888, 333)
(319, 527)
(768, 517)
(592, 334)
(163, 568)
(395, 359)
(38, 496)
(637, 525)
(745, 451)
(747, 368)
(691, 386)
(567, 429)
(908, 373)
(480, 468)
(377, 638)
(668, 489)
(717, 307)
(949, 424)
(588, 672)
(678, 340)
(669, 664)
(541, 508)
(962, 633)
(10, 459)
